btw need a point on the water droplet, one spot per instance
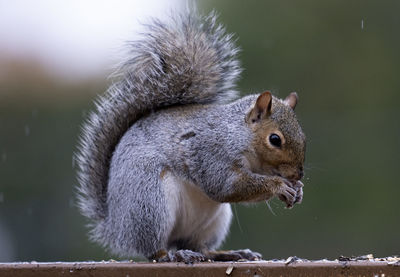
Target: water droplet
(362, 24)
(27, 130)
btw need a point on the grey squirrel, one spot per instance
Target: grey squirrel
(166, 151)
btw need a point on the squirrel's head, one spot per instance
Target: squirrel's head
(279, 144)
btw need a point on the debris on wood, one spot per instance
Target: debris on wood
(229, 270)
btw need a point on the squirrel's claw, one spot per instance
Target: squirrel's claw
(247, 254)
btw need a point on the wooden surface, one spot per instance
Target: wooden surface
(260, 268)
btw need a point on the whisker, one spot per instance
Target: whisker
(310, 166)
(269, 207)
(237, 218)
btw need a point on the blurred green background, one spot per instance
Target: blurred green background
(343, 59)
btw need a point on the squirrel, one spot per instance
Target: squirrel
(167, 148)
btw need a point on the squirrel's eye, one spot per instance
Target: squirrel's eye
(275, 140)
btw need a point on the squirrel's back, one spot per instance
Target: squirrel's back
(189, 60)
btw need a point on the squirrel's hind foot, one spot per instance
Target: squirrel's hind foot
(189, 256)
(233, 255)
(185, 256)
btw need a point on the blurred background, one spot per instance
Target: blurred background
(342, 57)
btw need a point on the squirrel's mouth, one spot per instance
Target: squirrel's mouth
(291, 178)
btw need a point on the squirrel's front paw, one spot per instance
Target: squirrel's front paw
(287, 193)
(298, 186)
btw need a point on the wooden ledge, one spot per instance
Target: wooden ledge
(259, 268)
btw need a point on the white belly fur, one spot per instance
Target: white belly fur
(193, 215)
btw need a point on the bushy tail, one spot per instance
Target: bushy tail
(187, 60)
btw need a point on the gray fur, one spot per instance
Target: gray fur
(164, 152)
(197, 144)
(190, 60)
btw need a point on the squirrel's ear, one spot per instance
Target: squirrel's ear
(262, 108)
(292, 99)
